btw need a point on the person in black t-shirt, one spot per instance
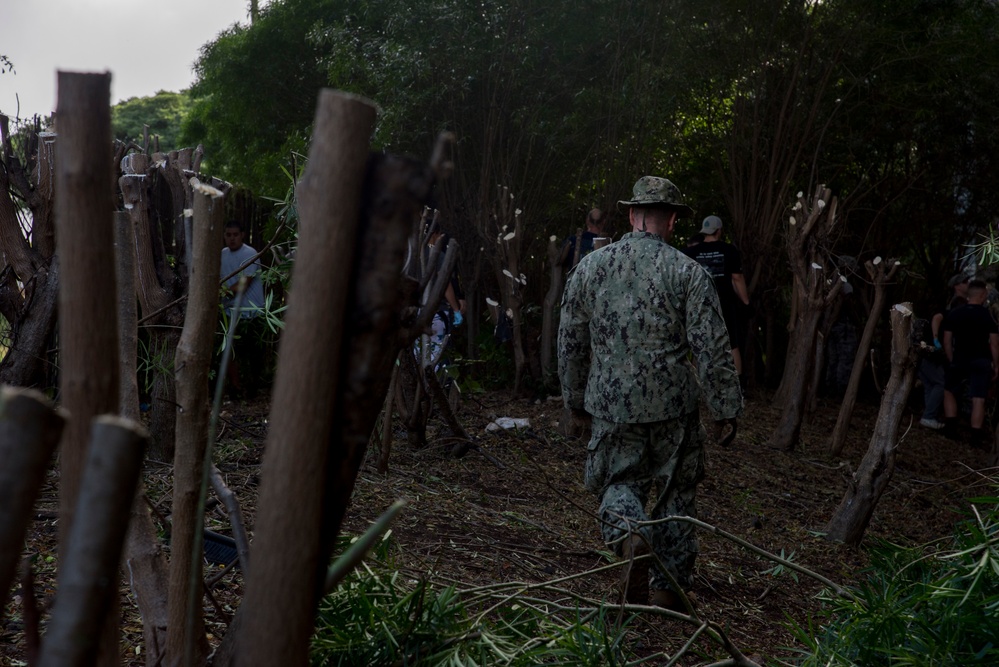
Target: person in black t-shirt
(724, 262)
(971, 343)
(595, 225)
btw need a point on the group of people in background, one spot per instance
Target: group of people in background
(633, 316)
(721, 259)
(960, 360)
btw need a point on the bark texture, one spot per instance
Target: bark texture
(88, 318)
(30, 428)
(853, 515)
(881, 274)
(280, 601)
(186, 640)
(88, 572)
(145, 562)
(512, 282)
(28, 263)
(817, 285)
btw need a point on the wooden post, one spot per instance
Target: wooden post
(185, 627)
(881, 274)
(30, 428)
(281, 592)
(88, 319)
(816, 286)
(872, 477)
(88, 573)
(147, 566)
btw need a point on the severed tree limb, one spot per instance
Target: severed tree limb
(853, 515)
(236, 520)
(275, 620)
(88, 573)
(30, 428)
(185, 626)
(145, 563)
(881, 274)
(88, 318)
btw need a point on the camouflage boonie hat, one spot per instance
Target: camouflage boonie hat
(655, 191)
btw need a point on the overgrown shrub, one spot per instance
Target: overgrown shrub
(376, 616)
(919, 606)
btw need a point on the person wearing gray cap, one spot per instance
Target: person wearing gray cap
(724, 262)
(632, 314)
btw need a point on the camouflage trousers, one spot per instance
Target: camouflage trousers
(626, 463)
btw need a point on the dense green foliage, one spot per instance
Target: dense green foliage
(919, 606)
(567, 103)
(375, 618)
(163, 113)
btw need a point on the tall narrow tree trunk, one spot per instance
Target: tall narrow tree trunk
(853, 515)
(186, 642)
(798, 375)
(88, 574)
(88, 320)
(817, 285)
(880, 275)
(282, 591)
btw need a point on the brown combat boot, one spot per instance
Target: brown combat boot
(671, 600)
(635, 575)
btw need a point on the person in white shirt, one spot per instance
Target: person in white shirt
(239, 260)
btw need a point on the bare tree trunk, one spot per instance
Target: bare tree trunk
(186, 642)
(880, 275)
(88, 320)
(144, 560)
(798, 376)
(281, 592)
(853, 515)
(148, 574)
(816, 285)
(30, 428)
(812, 404)
(29, 274)
(157, 286)
(88, 573)
(552, 298)
(510, 278)
(28, 358)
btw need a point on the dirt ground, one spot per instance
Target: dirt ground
(516, 510)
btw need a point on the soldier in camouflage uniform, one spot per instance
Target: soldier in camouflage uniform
(631, 314)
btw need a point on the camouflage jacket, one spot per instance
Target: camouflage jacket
(631, 314)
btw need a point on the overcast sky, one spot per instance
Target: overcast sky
(147, 45)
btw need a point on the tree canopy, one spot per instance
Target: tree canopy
(162, 113)
(568, 103)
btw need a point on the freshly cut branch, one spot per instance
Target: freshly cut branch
(881, 274)
(30, 428)
(275, 620)
(185, 628)
(853, 515)
(88, 574)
